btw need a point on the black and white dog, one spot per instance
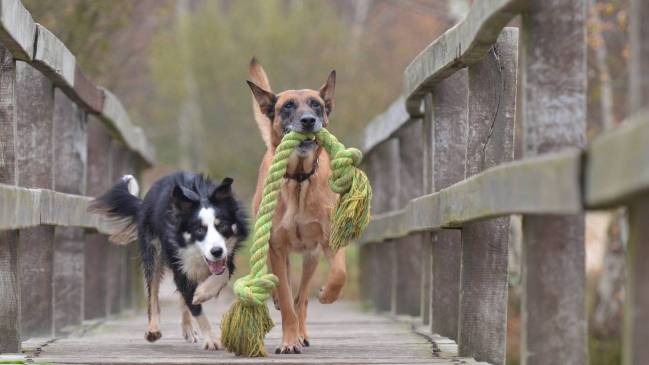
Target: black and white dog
(188, 223)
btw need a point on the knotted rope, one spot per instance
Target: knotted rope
(247, 322)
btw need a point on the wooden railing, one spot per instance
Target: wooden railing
(62, 140)
(441, 163)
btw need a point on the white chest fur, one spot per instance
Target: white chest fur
(193, 264)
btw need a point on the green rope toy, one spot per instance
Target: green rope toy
(247, 322)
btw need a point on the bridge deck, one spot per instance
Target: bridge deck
(340, 334)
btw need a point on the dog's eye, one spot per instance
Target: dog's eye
(200, 231)
(288, 105)
(314, 104)
(223, 228)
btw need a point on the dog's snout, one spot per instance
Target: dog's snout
(308, 121)
(217, 252)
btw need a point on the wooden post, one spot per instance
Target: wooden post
(34, 109)
(9, 279)
(483, 291)
(116, 270)
(99, 174)
(554, 81)
(448, 148)
(385, 158)
(70, 165)
(409, 249)
(636, 313)
(427, 188)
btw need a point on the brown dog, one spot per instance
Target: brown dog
(302, 217)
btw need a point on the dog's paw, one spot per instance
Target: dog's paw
(201, 296)
(290, 347)
(152, 336)
(328, 296)
(211, 344)
(189, 334)
(305, 342)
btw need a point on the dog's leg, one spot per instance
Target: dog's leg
(309, 265)
(186, 326)
(337, 275)
(274, 291)
(153, 270)
(290, 338)
(210, 288)
(187, 289)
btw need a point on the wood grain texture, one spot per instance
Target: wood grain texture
(636, 305)
(99, 179)
(483, 291)
(463, 45)
(409, 248)
(636, 314)
(10, 325)
(426, 263)
(340, 334)
(448, 151)
(34, 158)
(70, 151)
(617, 164)
(7, 117)
(554, 81)
(17, 29)
(54, 59)
(10, 321)
(385, 162)
(518, 187)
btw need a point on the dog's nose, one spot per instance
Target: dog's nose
(308, 121)
(217, 252)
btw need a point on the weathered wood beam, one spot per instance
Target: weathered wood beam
(25, 207)
(554, 77)
(636, 311)
(408, 259)
(519, 187)
(463, 45)
(483, 291)
(617, 164)
(10, 323)
(70, 156)
(17, 29)
(448, 154)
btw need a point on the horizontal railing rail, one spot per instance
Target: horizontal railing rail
(560, 183)
(24, 208)
(463, 45)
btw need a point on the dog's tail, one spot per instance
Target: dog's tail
(259, 77)
(121, 204)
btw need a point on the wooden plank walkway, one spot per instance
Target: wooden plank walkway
(340, 334)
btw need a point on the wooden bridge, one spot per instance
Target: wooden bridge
(434, 258)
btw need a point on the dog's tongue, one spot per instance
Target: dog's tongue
(216, 267)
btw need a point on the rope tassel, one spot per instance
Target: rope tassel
(247, 322)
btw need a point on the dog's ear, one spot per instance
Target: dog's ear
(184, 200)
(223, 191)
(265, 99)
(327, 92)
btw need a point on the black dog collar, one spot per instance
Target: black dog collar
(303, 176)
